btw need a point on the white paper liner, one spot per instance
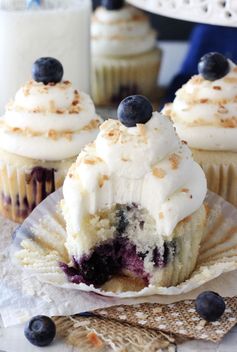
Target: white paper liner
(218, 252)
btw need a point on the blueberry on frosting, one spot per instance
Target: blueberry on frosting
(112, 4)
(135, 109)
(213, 66)
(47, 70)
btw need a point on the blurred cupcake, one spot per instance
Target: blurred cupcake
(204, 113)
(133, 203)
(125, 59)
(42, 131)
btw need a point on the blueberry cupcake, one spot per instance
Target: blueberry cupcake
(133, 204)
(43, 130)
(125, 59)
(204, 113)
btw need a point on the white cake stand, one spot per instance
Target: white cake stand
(218, 12)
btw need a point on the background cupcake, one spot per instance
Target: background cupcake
(42, 131)
(125, 59)
(205, 115)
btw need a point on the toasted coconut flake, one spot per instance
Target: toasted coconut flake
(174, 160)
(158, 172)
(102, 180)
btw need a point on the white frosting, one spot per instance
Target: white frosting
(147, 165)
(121, 32)
(51, 122)
(205, 112)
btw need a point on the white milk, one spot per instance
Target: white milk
(60, 28)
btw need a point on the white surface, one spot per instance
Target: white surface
(13, 340)
(27, 35)
(220, 12)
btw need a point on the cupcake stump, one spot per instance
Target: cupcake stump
(115, 78)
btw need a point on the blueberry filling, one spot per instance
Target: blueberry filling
(119, 254)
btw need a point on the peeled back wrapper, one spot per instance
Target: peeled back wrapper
(39, 247)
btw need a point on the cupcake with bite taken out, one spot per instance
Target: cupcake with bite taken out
(133, 204)
(204, 113)
(42, 131)
(125, 57)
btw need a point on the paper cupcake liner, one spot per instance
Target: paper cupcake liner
(221, 172)
(113, 79)
(24, 183)
(39, 247)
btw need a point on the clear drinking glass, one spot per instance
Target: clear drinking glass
(58, 28)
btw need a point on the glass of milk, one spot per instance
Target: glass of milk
(57, 28)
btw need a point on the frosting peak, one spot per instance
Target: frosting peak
(121, 32)
(48, 122)
(146, 164)
(204, 112)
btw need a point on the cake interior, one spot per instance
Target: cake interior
(127, 243)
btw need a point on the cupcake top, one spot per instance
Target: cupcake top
(205, 108)
(142, 162)
(121, 31)
(48, 120)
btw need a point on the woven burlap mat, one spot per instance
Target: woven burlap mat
(144, 327)
(97, 333)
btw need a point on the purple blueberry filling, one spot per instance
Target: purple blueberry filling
(117, 255)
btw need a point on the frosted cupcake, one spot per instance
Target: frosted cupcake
(133, 203)
(204, 113)
(42, 131)
(125, 59)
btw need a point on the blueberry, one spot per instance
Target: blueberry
(40, 331)
(213, 66)
(210, 305)
(112, 4)
(134, 109)
(47, 70)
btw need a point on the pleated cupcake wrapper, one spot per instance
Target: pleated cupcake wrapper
(222, 179)
(39, 247)
(22, 188)
(115, 79)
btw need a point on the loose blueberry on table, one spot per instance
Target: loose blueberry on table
(47, 70)
(210, 306)
(213, 66)
(40, 331)
(112, 4)
(134, 110)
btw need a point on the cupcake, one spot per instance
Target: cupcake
(125, 59)
(133, 204)
(204, 113)
(43, 130)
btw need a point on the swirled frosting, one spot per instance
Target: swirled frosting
(205, 112)
(146, 164)
(121, 32)
(48, 122)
